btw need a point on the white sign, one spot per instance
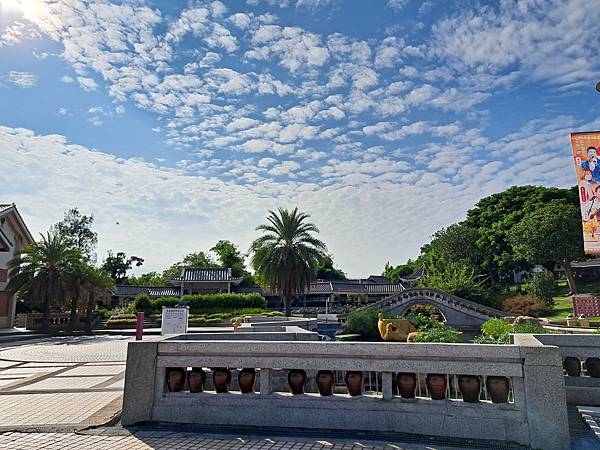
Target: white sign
(174, 321)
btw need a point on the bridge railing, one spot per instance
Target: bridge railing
(376, 393)
(580, 354)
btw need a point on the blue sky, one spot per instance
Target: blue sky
(387, 120)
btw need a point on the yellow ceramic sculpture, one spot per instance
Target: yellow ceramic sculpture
(395, 329)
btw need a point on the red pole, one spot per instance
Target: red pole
(139, 326)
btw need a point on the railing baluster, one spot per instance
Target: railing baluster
(266, 377)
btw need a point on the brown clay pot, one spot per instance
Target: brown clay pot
(247, 379)
(593, 367)
(470, 388)
(325, 381)
(407, 384)
(296, 381)
(572, 366)
(354, 382)
(175, 379)
(196, 379)
(497, 388)
(221, 379)
(436, 385)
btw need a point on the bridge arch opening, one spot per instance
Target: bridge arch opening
(427, 309)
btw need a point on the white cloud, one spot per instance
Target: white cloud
(88, 84)
(22, 79)
(67, 79)
(396, 5)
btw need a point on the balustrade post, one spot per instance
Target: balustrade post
(266, 377)
(386, 385)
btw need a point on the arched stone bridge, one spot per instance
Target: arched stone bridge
(459, 313)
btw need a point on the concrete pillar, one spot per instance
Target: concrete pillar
(266, 378)
(386, 385)
(140, 383)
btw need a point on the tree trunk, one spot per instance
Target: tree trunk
(46, 314)
(89, 314)
(74, 303)
(570, 278)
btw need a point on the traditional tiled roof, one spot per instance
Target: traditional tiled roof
(379, 279)
(4, 206)
(415, 276)
(5, 209)
(352, 287)
(204, 275)
(152, 291)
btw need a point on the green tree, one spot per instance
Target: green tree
(457, 242)
(198, 259)
(78, 228)
(230, 257)
(286, 256)
(455, 277)
(118, 265)
(551, 232)
(494, 217)
(327, 271)
(401, 270)
(41, 273)
(147, 279)
(97, 282)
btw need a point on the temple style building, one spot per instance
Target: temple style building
(215, 280)
(14, 236)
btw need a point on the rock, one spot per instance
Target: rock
(527, 319)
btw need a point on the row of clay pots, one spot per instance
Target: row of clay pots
(572, 366)
(196, 379)
(325, 381)
(469, 386)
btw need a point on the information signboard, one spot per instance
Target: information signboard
(174, 321)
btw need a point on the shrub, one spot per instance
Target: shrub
(542, 287)
(122, 316)
(524, 305)
(142, 303)
(211, 302)
(216, 316)
(438, 335)
(495, 328)
(363, 322)
(214, 320)
(424, 323)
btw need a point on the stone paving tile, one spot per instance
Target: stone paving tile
(57, 383)
(4, 363)
(94, 370)
(42, 364)
(51, 409)
(26, 441)
(29, 370)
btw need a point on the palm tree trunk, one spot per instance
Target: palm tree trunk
(287, 302)
(569, 275)
(89, 314)
(74, 303)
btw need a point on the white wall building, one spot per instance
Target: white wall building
(14, 235)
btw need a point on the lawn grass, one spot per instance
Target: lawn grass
(563, 305)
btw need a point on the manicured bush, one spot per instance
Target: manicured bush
(363, 322)
(424, 323)
(524, 306)
(142, 303)
(438, 335)
(211, 302)
(496, 331)
(495, 328)
(214, 320)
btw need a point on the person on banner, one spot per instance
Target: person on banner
(592, 164)
(591, 213)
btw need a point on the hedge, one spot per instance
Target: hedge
(204, 302)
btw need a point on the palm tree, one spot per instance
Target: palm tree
(41, 272)
(286, 256)
(97, 283)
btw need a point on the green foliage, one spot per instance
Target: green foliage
(495, 328)
(401, 270)
(442, 334)
(326, 270)
(142, 303)
(363, 322)
(212, 302)
(458, 242)
(286, 256)
(542, 287)
(494, 217)
(77, 228)
(230, 257)
(191, 260)
(424, 323)
(214, 320)
(118, 265)
(496, 331)
(147, 279)
(454, 277)
(347, 337)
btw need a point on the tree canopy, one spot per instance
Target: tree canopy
(118, 265)
(327, 271)
(77, 228)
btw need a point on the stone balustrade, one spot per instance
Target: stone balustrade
(581, 362)
(532, 411)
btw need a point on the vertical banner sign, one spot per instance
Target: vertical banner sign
(586, 157)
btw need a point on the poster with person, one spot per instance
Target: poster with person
(586, 157)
